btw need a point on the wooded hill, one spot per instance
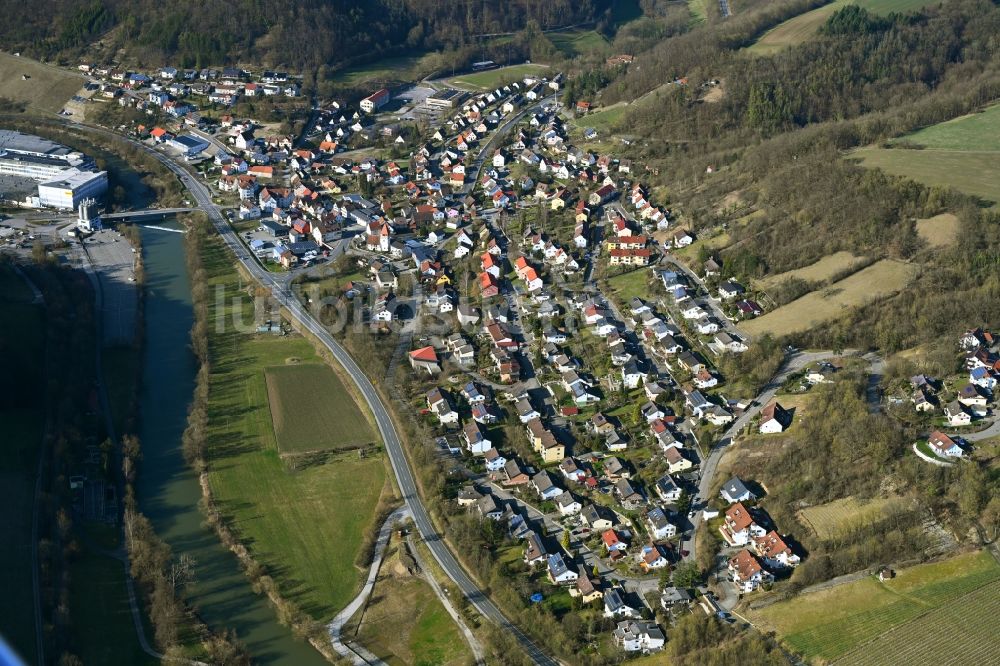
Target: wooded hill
(298, 35)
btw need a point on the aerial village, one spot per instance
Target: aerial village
(582, 421)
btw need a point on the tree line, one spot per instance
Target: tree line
(300, 35)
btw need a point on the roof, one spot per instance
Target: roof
(773, 410)
(735, 487)
(610, 538)
(771, 545)
(745, 565)
(940, 441)
(738, 517)
(424, 354)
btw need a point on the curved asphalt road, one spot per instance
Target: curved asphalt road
(710, 464)
(393, 445)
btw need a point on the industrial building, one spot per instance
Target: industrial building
(188, 145)
(375, 101)
(447, 98)
(65, 177)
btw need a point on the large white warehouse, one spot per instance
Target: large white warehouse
(66, 177)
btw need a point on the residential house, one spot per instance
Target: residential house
(747, 572)
(475, 439)
(651, 558)
(956, 415)
(494, 461)
(440, 405)
(638, 636)
(513, 475)
(596, 518)
(731, 289)
(629, 497)
(676, 461)
(534, 552)
(425, 359)
(468, 496)
(544, 486)
(571, 471)
(675, 598)
(740, 527)
(586, 588)
(614, 468)
(774, 418)
(944, 446)
(775, 552)
(659, 527)
(613, 543)
(616, 605)
(734, 490)
(567, 504)
(488, 507)
(667, 488)
(559, 573)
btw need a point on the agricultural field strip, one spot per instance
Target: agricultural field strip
(818, 271)
(836, 630)
(799, 29)
(957, 633)
(833, 518)
(305, 417)
(973, 172)
(882, 278)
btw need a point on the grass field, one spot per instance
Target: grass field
(963, 153)
(404, 623)
(577, 42)
(697, 9)
(305, 527)
(492, 78)
(940, 230)
(629, 285)
(46, 89)
(312, 410)
(800, 28)
(602, 121)
(818, 271)
(834, 518)
(972, 172)
(99, 608)
(831, 623)
(979, 132)
(882, 278)
(398, 68)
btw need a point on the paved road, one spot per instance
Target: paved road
(487, 149)
(340, 619)
(705, 298)
(710, 464)
(393, 444)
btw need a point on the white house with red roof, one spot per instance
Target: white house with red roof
(740, 527)
(747, 572)
(425, 359)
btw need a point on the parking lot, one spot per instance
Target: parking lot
(114, 261)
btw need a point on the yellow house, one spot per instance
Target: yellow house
(544, 442)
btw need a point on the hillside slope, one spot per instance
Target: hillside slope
(297, 34)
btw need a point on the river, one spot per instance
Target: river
(168, 490)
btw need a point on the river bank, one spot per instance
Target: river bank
(168, 491)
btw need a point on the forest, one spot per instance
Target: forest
(299, 35)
